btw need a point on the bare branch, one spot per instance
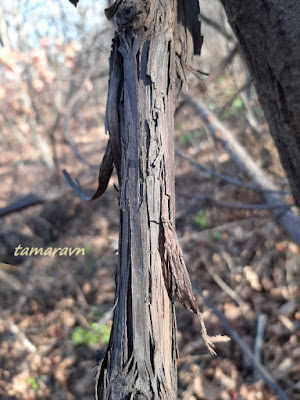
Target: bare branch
(208, 201)
(216, 26)
(226, 178)
(244, 348)
(224, 63)
(260, 331)
(287, 218)
(4, 39)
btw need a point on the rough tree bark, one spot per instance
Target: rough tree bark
(152, 48)
(269, 34)
(151, 51)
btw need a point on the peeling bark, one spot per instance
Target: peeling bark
(140, 362)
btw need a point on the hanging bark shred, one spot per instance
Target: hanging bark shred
(179, 282)
(151, 52)
(105, 172)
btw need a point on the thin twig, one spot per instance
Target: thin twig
(224, 63)
(248, 109)
(216, 26)
(261, 323)
(74, 97)
(226, 288)
(21, 203)
(26, 343)
(32, 199)
(211, 202)
(186, 395)
(287, 218)
(9, 267)
(226, 178)
(238, 92)
(273, 385)
(10, 281)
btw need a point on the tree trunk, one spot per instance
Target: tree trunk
(269, 34)
(140, 362)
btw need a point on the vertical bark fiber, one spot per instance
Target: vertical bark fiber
(269, 34)
(140, 362)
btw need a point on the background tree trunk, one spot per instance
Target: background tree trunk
(140, 361)
(268, 32)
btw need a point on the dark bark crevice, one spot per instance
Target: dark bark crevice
(140, 362)
(150, 45)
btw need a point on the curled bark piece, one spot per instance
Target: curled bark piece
(74, 2)
(105, 172)
(111, 11)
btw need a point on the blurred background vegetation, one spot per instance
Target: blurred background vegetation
(56, 311)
